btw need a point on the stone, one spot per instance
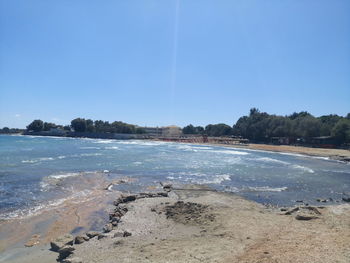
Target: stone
(346, 198)
(119, 234)
(80, 239)
(126, 234)
(100, 236)
(61, 241)
(65, 252)
(92, 234)
(305, 217)
(72, 260)
(108, 228)
(321, 200)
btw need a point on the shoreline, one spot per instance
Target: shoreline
(335, 154)
(183, 225)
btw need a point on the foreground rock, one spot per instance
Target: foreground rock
(62, 241)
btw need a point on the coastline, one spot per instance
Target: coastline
(184, 225)
(332, 154)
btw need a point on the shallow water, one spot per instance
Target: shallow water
(37, 172)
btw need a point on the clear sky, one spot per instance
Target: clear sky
(161, 62)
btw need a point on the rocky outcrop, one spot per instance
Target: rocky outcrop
(61, 241)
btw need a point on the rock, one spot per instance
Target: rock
(65, 252)
(126, 234)
(61, 241)
(72, 260)
(119, 234)
(108, 228)
(92, 234)
(100, 236)
(80, 239)
(305, 217)
(126, 199)
(346, 198)
(321, 200)
(292, 211)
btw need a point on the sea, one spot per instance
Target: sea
(37, 173)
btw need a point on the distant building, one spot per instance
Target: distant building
(153, 131)
(171, 131)
(57, 131)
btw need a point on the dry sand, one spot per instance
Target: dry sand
(199, 225)
(336, 154)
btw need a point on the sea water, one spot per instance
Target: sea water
(39, 172)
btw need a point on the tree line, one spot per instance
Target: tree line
(262, 127)
(87, 125)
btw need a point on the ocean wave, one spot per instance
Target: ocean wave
(38, 160)
(300, 167)
(112, 148)
(90, 147)
(271, 160)
(89, 154)
(214, 179)
(266, 189)
(103, 141)
(45, 206)
(230, 152)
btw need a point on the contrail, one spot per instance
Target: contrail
(174, 60)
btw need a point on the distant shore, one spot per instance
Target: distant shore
(331, 153)
(334, 154)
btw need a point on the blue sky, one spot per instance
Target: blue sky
(161, 62)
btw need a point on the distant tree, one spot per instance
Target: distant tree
(90, 125)
(36, 126)
(66, 128)
(348, 116)
(299, 114)
(341, 131)
(189, 129)
(79, 125)
(220, 129)
(327, 123)
(5, 130)
(306, 126)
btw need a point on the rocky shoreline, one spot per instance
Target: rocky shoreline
(196, 224)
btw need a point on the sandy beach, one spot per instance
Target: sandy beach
(196, 224)
(334, 154)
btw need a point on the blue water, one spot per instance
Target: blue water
(37, 171)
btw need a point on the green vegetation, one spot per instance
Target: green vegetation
(7, 130)
(259, 127)
(262, 127)
(36, 126)
(87, 125)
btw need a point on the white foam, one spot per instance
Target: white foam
(306, 169)
(230, 152)
(213, 179)
(90, 147)
(35, 210)
(38, 160)
(112, 148)
(65, 175)
(271, 160)
(90, 154)
(103, 141)
(29, 161)
(266, 189)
